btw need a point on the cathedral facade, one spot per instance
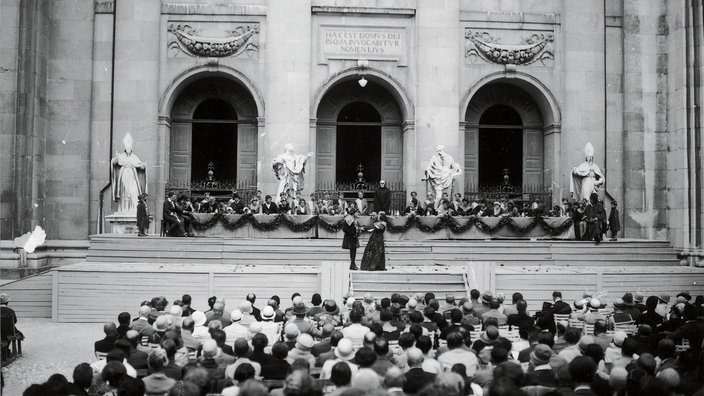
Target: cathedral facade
(513, 89)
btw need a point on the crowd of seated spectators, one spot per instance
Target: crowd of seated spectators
(399, 345)
(335, 204)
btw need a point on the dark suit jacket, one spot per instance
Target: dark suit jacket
(169, 212)
(270, 208)
(106, 345)
(417, 379)
(547, 320)
(237, 207)
(138, 359)
(321, 347)
(173, 370)
(262, 358)
(276, 370)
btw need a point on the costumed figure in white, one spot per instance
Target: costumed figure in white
(441, 172)
(289, 169)
(129, 178)
(586, 177)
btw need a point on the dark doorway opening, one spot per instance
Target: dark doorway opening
(358, 142)
(500, 146)
(214, 140)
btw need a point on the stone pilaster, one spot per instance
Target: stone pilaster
(437, 97)
(288, 88)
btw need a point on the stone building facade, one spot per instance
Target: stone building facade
(76, 75)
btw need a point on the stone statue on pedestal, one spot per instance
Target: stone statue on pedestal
(129, 178)
(290, 169)
(586, 177)
(441, 172)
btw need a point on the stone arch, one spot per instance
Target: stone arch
(390, 102)
(539, 93)
(187, 77)
(539, 113)
(178, 104)
(383, 79)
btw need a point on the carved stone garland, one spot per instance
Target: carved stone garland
(484, 45)
(240, 40)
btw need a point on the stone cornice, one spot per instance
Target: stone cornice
(378, 11)
(213, 9)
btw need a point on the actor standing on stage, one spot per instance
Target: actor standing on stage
(143, 215)
(351, 239)
(382, 198)
(374, 258)
(614, 221)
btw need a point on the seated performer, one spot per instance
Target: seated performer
(269, 206)
(170, 214)
(301, 207)
(284, 206)
(186, 213)
(255, 206)
(414, 208)
(362, 205)
(236, 204)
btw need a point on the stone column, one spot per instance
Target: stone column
(437, 98)
(287, 93)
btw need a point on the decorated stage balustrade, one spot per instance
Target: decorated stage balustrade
(398, 227)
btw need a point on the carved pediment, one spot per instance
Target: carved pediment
(483, 45)
(241, 39)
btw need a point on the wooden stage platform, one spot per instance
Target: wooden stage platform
(122, 271)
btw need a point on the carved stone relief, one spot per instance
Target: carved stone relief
(481, 45)
(241, 39)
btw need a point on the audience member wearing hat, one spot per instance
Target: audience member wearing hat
(200, 331)
(302, 350)
(542, 373)
(236, 329)
(629, 306)
(268, 327)
(299, 313)
(343, 352)
(291, 334)
(484, 306)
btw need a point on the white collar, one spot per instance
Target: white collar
(542, 367)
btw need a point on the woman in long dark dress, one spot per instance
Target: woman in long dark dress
(351, 240)
(374, 258)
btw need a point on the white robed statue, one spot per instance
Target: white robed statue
(441, 172)
(290, 169)
(129, 178)
(586, 177)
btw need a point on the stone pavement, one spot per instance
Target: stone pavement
(49, 348)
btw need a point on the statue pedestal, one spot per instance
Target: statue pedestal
(122, 223)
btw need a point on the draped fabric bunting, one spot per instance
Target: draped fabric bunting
(395, 224)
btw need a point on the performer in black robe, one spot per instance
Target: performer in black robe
(577, 215)
(595, 215)
(142, 215)
(351, 239)
(614, 221)
(374, 258)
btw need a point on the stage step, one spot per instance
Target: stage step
(410, 280)
(212, 250)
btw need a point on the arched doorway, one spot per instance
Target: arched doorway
(504, 130)
(358, 142)
(214, 140)
(500, 147)
(213, 120)
(358, 125)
